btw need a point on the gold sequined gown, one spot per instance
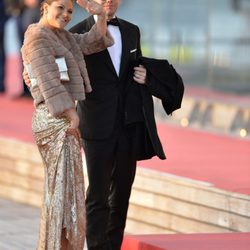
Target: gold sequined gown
(63, 207)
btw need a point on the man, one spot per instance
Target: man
(117, 124)
(107, 145)
(112, 124)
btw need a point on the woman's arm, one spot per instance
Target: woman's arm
(98, 38)
(38, 52)
(94, 8)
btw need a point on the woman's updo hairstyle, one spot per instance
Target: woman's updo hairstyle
(49, 2)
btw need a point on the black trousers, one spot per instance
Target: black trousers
(111, 171)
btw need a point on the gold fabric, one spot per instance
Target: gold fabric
(63, 207)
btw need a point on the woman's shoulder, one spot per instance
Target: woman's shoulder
(36, 37)
(35, 28)
(33, 33)
(36, 31)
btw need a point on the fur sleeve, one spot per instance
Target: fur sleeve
(38, 52)
(92, 42)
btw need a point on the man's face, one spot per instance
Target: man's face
(110, 6)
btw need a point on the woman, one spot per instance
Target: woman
(55, 121)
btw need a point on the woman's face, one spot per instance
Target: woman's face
(58, 13)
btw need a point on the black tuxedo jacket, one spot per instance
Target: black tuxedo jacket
(99, 111)
(112, 93)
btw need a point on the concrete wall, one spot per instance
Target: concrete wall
(160, 203)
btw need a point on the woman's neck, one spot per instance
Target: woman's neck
(44, 22)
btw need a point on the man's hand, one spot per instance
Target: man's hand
(26, 78)
(140, 74)
(91, 7)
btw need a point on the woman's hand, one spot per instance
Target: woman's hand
(82, 3)
(26, 78)
(91, 7)
(73, 117)
(95, 8)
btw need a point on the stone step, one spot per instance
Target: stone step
(160, 202)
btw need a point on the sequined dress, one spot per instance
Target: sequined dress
(63, 208)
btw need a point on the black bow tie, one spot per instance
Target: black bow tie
(113, 21)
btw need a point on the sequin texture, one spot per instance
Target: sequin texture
(63, 208)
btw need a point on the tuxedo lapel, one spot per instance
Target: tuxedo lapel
(105, 56)
(108, 61)
(125, 47)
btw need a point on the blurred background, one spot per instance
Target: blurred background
(208, 41)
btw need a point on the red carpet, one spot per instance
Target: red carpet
(15, 118)
(229, 241)
(221, 160)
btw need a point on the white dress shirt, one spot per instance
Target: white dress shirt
(115, 51)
